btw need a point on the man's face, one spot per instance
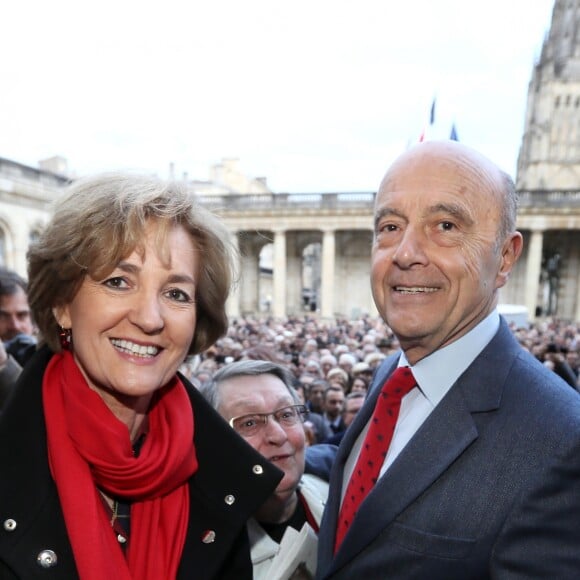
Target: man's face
(316, 396)
(282, 446)
(346, 366)
(333, 403)
(15, 316)
(326, 366)
(351, 408)
(437, 261)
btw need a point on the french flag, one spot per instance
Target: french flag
(453, 136)
(431, 120)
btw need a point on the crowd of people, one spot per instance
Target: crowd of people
(347, 352)
(333, 362)
(433, 441)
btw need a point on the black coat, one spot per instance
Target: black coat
(32, 521)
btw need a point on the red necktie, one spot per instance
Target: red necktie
(375, 447)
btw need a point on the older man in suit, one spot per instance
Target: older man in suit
(481, 477)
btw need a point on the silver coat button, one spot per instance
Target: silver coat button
(47, 559)
(208, 537)
(229, 499)
(258, 469)
(121, 539)
(10, 525)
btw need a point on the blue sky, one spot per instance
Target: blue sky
(314, 95)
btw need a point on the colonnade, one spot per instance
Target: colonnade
(344, 271)
(344, 283)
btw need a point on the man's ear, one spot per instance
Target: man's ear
(511, 251)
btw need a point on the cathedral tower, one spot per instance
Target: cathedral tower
(549, 156)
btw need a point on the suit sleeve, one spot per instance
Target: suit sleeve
(540, 537)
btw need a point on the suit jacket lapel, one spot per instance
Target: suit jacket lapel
(330, 517)
(446, 433)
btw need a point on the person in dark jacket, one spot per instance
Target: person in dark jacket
(113, 466)
(17, 342)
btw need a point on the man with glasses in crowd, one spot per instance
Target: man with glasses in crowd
(260, 404)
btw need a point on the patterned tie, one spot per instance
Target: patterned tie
(375, 447)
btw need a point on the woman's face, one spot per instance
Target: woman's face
(358, 385)
(132, 330)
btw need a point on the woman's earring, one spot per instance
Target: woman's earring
(65, 335)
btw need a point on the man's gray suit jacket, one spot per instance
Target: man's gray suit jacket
(488, 487)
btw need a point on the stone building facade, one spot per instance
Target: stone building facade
(26, 195)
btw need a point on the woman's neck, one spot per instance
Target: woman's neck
(129, 410)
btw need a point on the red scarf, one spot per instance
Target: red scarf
(89, 448)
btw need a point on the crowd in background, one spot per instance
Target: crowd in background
(326, 358)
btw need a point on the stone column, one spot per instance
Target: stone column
(327, 282)
(249, 275)
(533, 271)
(293, 274)
(279, 274)
(250, 283)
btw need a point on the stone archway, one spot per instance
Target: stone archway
(252, 264)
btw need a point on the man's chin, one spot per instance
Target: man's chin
(285, 490)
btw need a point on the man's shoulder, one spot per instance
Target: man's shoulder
(314, 484)
(319, 460)
(542, 386)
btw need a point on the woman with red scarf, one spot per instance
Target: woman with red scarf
(113, 466)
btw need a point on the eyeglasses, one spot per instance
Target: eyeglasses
(248, 425)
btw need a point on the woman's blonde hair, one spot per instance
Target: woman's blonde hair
(101, 220)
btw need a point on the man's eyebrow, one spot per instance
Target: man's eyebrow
(386, 211)
(456, 210)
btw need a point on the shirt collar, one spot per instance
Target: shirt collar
(436, 373)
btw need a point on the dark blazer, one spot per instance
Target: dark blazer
(319, 460)
(228, 466)
(489, 486)
(321, 429)
(336, 438)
